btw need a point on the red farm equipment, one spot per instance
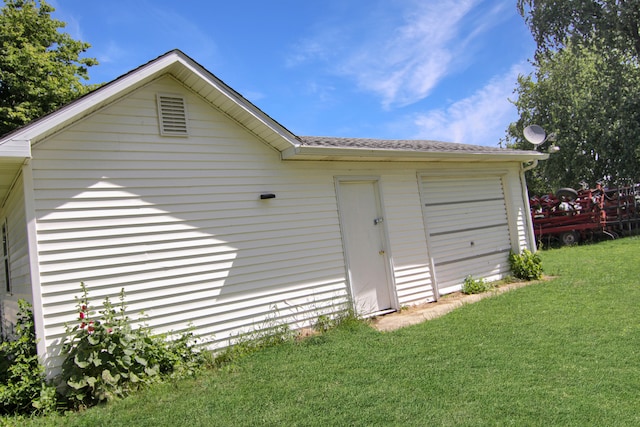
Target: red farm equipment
(570, 216)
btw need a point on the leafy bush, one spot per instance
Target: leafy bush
(475, 286)
(106, 358)
(526, 265)
(23, 389)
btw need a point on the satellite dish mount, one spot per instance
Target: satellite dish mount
(535, 134)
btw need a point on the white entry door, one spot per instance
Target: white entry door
(363, 232)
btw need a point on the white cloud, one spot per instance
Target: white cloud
(401, 55)
(479, 119)
(113, 53)
(318, 48)
(182, 31)
(68, 19)
(253, 95)
(415, 55)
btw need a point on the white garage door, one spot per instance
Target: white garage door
(467, 228)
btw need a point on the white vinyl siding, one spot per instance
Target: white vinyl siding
(521, 213)
(178, 223)
(405, 227)
(5, 257)
(13, 215)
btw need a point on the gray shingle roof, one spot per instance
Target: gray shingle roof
(397, 145)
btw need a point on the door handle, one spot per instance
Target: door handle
(381, 252)
(378, 221)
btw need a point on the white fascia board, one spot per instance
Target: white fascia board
(91, 102)
(360, 154)
(15, 149)
(222, 88)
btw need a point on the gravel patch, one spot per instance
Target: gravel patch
(420, 313)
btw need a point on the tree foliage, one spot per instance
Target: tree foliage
(605, 24)
(586, 89)
(40, 67)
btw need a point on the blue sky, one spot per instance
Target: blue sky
(390, 69)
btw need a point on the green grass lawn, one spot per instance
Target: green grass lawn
(561, 352)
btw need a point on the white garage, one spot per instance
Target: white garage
(230, 223)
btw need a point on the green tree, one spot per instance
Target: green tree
(593, 107)
(40, 67)
(605, 24)
(586, 90)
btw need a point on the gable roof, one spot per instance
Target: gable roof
(184, 69)
(15, 147)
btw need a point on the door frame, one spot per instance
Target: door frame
(388, 258)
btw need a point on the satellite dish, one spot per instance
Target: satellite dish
(535, 134)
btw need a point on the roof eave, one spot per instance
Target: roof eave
(15, 149)
(360, 154)
(13, 155)
(80, 108)
(183, 68)
(242, 110)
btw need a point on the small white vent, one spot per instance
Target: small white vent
(172, 113)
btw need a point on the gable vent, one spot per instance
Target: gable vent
(172, 113)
